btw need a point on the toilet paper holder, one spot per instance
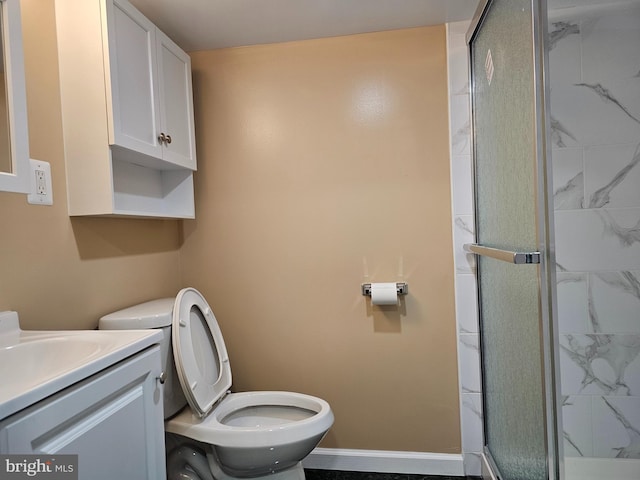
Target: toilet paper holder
(401, 287)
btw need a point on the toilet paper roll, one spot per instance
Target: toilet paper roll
(384, 294)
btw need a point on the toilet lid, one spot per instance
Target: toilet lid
(199, 352)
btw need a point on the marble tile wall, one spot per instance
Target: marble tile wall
(595, 109)
(466, 301)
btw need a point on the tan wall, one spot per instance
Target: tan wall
(322, 165)
(59, 272)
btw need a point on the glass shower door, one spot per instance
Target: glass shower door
(512, 234)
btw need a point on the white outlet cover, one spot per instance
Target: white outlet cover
(40, 192)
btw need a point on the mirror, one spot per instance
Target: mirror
(6, 164)
(14, 137)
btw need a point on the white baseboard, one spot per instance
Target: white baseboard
(383, 461)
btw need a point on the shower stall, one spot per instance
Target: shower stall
(555, 103)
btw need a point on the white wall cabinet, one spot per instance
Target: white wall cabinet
(127, 107)
(113, 421)
(151, 93)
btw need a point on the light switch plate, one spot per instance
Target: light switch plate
(40, 192)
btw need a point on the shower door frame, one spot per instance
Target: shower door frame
(545, 239)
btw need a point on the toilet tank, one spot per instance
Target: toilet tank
(153, 314)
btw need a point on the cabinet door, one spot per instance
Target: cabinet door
(113, 421)
(176, 103)
(131, 47)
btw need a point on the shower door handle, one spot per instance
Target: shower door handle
(519, 258)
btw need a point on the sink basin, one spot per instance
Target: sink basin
(34, 361)
(36, 364)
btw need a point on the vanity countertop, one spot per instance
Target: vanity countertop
(37, 364)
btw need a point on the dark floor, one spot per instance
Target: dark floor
(341, 475)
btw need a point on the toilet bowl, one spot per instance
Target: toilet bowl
(258, 433)
(236, 435)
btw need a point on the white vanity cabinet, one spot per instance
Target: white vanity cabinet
(127, 108)
(113, 421)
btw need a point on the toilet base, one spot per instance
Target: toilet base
(187, 463)
(188, 459)
(292, 473)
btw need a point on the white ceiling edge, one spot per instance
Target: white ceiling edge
(211, 24)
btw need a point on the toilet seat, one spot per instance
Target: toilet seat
(199, 352)
(215, 429)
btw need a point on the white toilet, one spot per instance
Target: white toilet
(221, 435)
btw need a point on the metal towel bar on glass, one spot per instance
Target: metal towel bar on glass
(519, 258)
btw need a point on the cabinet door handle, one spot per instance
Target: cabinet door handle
(162, 138)
(168, 138)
